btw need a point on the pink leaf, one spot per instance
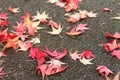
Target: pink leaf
(24, 46)
(74, 55)
(103, 70)
(73, 32)
(3, 16)
(106, 9)
(82, 27)
(116, 35)
(53, 24)
(41, 69)
(116, 53)
(73, 17)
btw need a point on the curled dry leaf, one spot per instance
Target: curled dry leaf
(13, 10)
(106, 9)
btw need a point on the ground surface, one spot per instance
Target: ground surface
(22, 68)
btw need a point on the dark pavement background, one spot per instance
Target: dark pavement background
(22, 68)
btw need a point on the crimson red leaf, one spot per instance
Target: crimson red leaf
(56, 54)
(87, 54)
(3, 23)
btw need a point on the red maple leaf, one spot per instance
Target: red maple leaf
(31, 30)
(73, 32)
(103, 70)
(3, 16)
(3, 23)
(110, 46)
(87, 54)
(73, 17)
(41, 70)
(4, 36)
(71, 5)
(53, 24)
(56, 54)
(116, 53)
(55, 66)
(35, 53)
(116, 35)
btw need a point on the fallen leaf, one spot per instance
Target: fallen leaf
(85, 61)
(13, 10)
(24, 46)
(41, 17)
(74, 55)
(73, 17)
(116, 35)
(71, 5)
(82, 27)
(116, 53)
(103, 70)
(91, 14)
(3, 23)
(53, 24)
(112, 45)
(56, 31)
(56, 54)
(3, 16)
(73, 32)
(53, 1)
(106, 9)
(35, 40)
(87, 54)
(116, 17)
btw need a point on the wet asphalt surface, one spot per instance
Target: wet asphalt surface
(21, 67)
